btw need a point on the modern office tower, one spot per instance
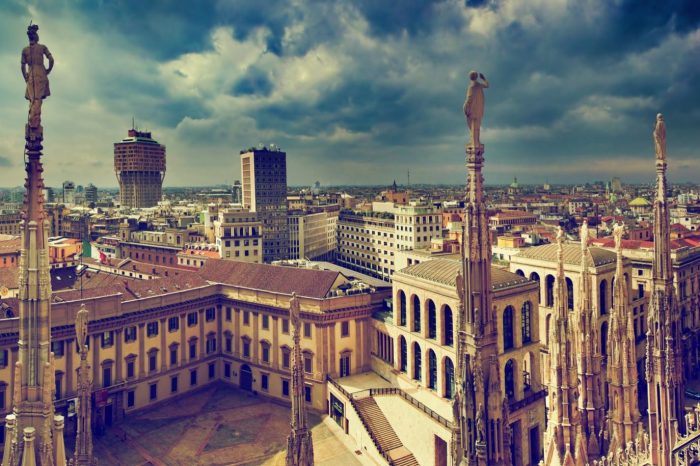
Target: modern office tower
(264, 172)
(236, 192)
(91, 193)
(68, 192)
(139, 163)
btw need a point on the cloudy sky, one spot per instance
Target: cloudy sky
(361, 91)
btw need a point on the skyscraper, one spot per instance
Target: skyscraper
(91, 193)
(139, 163)
(264, 173)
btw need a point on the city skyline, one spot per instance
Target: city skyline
(366, 95)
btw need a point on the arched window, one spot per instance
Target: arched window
(526, 313)
(432, 320)
(417, 362)
(449, 379)
(510, 379)
(603, 297)
(604, 339)
(569, 294)
(520, 272)
(402, 308)
(416, 314)
(432, 370)
(549, 285)
(508, 328)
(404, 354)
(449, 329)
(536, 278)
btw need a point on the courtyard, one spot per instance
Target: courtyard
(218, 425)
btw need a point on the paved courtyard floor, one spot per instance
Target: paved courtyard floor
(219, 425)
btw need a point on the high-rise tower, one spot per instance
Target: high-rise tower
(139, 163)
(664, 367)
(264, 173)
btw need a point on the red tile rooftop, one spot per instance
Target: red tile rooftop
(277, 279)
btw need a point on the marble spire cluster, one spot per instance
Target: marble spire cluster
(479, 400)
(300, 449)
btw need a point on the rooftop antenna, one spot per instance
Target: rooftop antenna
(133, 123)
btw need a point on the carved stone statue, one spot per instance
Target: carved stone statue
(294, 310)
(660, 137)
(480, 434)
(81, 327)
(35, 74)
(584, 234)
(618, 231)
(474, 105)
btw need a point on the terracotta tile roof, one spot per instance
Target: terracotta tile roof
(10, 246)
(572, 254)
(277, 279)
(9, 278)
(445, 271)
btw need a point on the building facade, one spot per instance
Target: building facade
(239, 235)
(264, 173)
(139, 163)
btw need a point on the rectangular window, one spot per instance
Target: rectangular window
(191, 319)
(307, 393)
(265, 322)
(285, 359)
(264, 382)
(345, 365)
(57, 348)
(153, 391)
(246, 318)
(130, 398)
(2, 403)
(107, 339)
(266, 354)
(173, 384)
(57, 388)
(152, 329)
(285, 388)
(212, 370)
(106, 377)
(129, 334)
(193, 377)
(193, 350)
(227, 370)
(130, 369)
(152, 362)
(228, 314)
(210, 314)
(285, 326)
(307, 330)
(246, 349)
(229, 344)
(640, 290)
(307, 364)
(173, 324)
(173, 356)
(344, 329)
(211, 345)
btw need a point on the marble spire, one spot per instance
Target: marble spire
(300, 448)
(564, 440)
(664, 366)
(623, 413)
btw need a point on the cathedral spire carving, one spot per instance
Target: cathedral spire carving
(623, 413)
(664, 366)
(589, 356)
(300, 449)
(479, 395)
(565, 442)
(83, 439)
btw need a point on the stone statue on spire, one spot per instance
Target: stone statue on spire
(474, 106)
(660, 137)
(36, 75)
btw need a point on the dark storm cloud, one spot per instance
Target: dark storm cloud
(381, 82)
